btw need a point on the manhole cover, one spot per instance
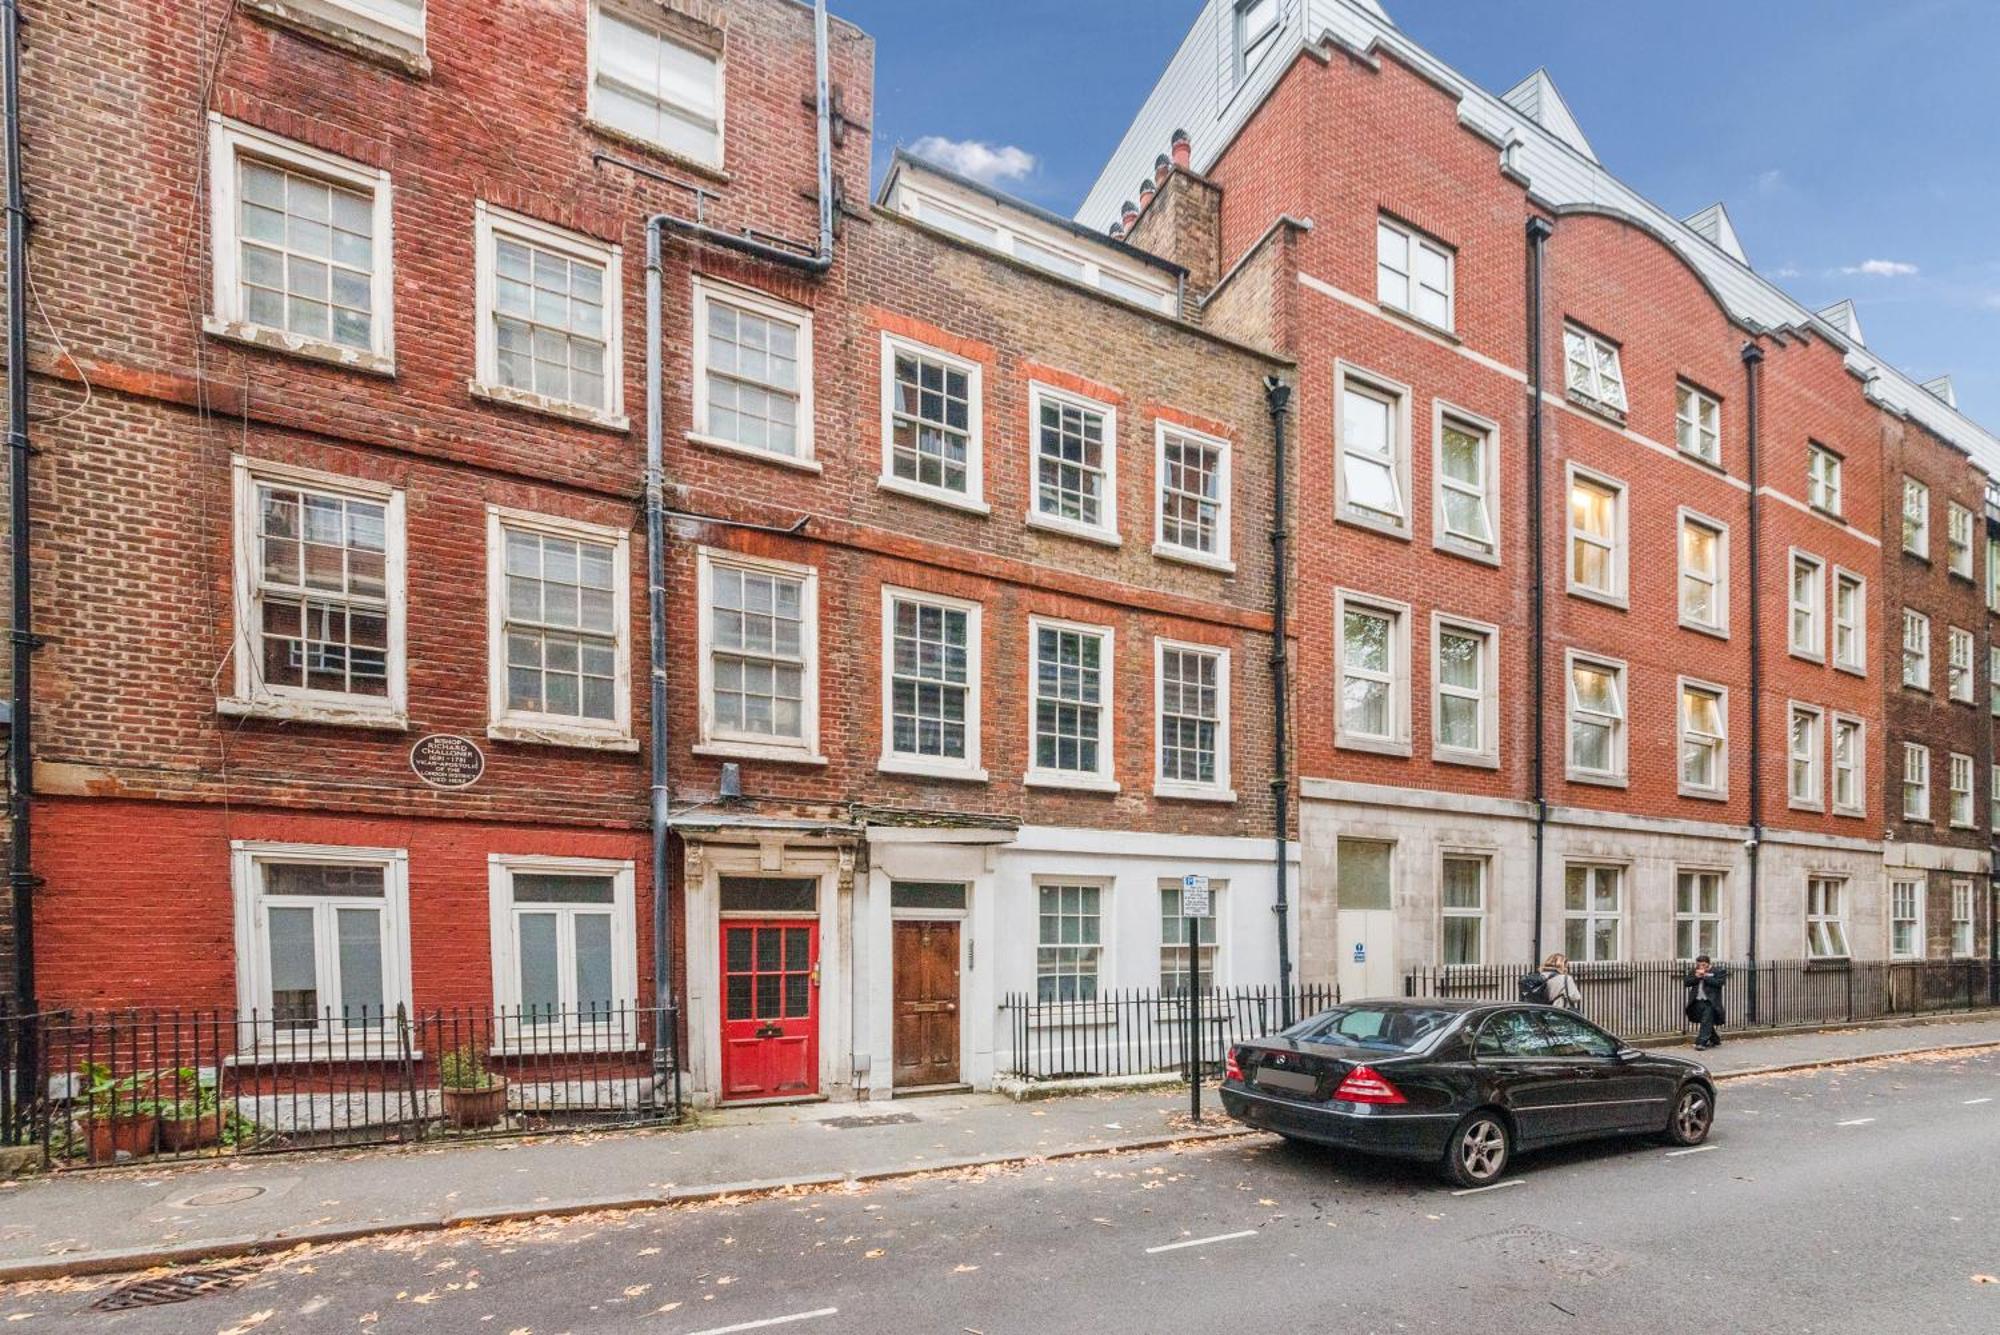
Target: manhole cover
(176, 1288)
(224, 1196)
(1557, 1252)
(880, 1119)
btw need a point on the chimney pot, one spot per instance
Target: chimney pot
(1117, 231)
(1146, 193)
(1128, 213)
(1183, 150)
(1161, 166)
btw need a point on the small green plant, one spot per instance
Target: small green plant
(188, 1094)
(464, 1068)
(106, 1095)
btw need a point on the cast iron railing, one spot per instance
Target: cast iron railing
(1139, 1031)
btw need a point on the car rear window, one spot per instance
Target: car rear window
(1390, 1028)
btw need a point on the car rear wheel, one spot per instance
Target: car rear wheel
(1694, 1114)
(1479, 1150)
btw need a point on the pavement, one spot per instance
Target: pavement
(113, 1220)
(1862, 1199)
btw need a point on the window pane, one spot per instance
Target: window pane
(541, 985)
(294, 971)
(361, 993)
(592, 932)
(1363, 873)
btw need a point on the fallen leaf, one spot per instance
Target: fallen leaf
(874, 1254)
(635, 1290)
(963, 1269)
(662, 1311)
(1985, 1279)
(250, 1323)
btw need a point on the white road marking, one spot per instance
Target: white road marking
(769, 1321)
(1474, 1191)
(1859, 1121)
(1201, 1242)
(1698, 1149)
(1970, 1102)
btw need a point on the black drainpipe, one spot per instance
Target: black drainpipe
(20, 756)
(1539, 230)
(1278, 399)
(1753, 360)
(666, 1022)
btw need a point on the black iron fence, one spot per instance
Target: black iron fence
(1140, 1031)
(1648, 999)
(109, 1087)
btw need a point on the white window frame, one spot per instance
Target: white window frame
(1812, 646)
(1220, 790)
(1906, 909)
(1214, 958)
(1718, 582)
(708, 291)
(1963, 813)
(1100, 974)
(1413, 240)
(1481, 915)
(490, 222)
(1397, 743)
(1719, 790)
(1618, 594)
(1589, 915)
(1993, 574)
(1698, 412)
(636, 16)
(1602, 391)
(1825, 482)
(1958, 522)
(1346, 377)
(1858, 766)
(1223, 557)
(1442, 415)
(357, 25)
(1916, 782)
(519, 725)
(1487, 754)
(1106, 529)
(891, 761)
(1693, 914)
(1621, 724)
(1809, 794)
(247, 859)
(1993, 797)
(1916, 514)
(1104, 778)
(625, 1029)
(229, 141)
(712, 741)
(1993, 679)
(1961, 670)
(1248, 49)
(1834, 923)
(973, 498)
(1916, 651)
(1855, 657)
(1964, 923)
(252, 696)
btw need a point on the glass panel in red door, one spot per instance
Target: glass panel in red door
(770, 1017)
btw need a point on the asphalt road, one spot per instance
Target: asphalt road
(1861, 1199)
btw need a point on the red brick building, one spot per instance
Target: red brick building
(341, 563)
(1478, 310)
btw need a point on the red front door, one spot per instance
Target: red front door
(770, 1008)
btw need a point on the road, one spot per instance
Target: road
(1860, 1199)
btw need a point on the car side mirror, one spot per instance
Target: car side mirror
(1626, 1054)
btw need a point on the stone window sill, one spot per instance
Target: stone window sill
(293, 345)
(321, 22)
(542, 403)
(285, 710)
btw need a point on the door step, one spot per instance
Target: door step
(929, 1091)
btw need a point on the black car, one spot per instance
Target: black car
(1462, 1084)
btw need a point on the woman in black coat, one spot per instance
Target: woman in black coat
(1704, 1001)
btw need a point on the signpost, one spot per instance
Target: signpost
(1194, 907)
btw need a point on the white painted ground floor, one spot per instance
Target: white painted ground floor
(835, 960)
(1394, 879)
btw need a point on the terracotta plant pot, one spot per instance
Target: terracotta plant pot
(471, 1109)
(133, 1134)
(196, 1131)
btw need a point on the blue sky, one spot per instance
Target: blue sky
(1837, 132)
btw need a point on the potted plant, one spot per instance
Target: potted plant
(192, 1120)
(474, 1097)
(121, 1114)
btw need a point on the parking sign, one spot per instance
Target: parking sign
(1194, 896)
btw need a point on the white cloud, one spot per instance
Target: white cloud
(1882, 269)
(1786, 271)
(1770, 182)
(986, 163)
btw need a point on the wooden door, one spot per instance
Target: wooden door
(926, 1001)
(770, 1008)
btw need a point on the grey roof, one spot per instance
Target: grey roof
(1842, 316)
(1942, 388)
(1714, 225)
(1543, 147)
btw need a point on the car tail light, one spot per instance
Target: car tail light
(1365, 1085)
(1232, 1067)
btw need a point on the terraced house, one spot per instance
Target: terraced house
(566, 547)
